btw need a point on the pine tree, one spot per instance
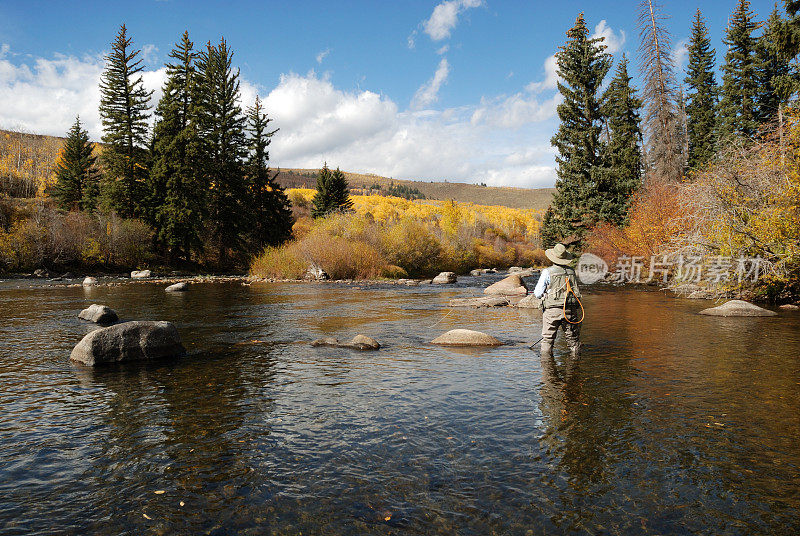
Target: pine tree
(775, 76)
(737, 108)
(622, 155)
(176, 195)
(702, 93)
(322, 203)
(664, 149)
(124, 104)
(582, 65)
(340, 192)
(76, 176)
(270, 207)
(221, 127)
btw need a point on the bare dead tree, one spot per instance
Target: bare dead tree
(663, 149)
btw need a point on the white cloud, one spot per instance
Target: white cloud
(612, 41)
(412, 39)
(149, 54)
(445, 17)
(499, 141)
(428, 92)
(443, 50)
(680, 55)
(550, 76)
(322, 55)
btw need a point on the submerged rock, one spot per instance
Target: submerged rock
(512, 285)
(140, 274)
(359, 342)
(444, 278)
(89, 282)
(483, 301)
(99, 314)
(129, 341)
(737, 308)
(178, 287)
(465, 337)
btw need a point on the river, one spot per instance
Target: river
(669, 423)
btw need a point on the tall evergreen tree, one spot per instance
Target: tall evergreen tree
(664, 147)
(702, 93)
(776, 77)
(221, 127)
(582, 65)
(622, 155)
(176, 193)
(76, 175)
(270, 207)
(333, 193)
(737, 108)
(124, 104)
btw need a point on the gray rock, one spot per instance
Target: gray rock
(737, 308)
(140, 274)
(512, 285)
(465, 337)
(89, 282)
(408, 282)
(482, 271)
(790, 307)
(315, 272)
(129, 341)
(99, 314)
(359, 342)
(444, 278)
(484, 301)
(529, 302)
(178, 287)
(515, 269)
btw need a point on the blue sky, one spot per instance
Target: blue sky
(454, 89)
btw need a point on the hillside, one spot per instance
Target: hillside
(27, 159)
(520, 198)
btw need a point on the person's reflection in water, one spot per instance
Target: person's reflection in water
(556, 383)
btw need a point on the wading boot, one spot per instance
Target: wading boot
(546, 348)
(575, 349)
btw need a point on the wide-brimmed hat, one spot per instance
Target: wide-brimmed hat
(558, 254)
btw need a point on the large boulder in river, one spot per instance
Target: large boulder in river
(178, 287)
(512, 285)
(99, 314)
(529, 302)
(444, 278)
(129, 341)
(140, 274)
(737, 308)
(89, 282)
(465, 337)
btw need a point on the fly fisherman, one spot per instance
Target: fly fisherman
(559, 286)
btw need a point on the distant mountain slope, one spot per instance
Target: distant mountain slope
(538, 198)
(27, 159)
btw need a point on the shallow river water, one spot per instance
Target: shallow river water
(670, 422)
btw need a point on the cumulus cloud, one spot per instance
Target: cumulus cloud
(550, 76)
(445, 17)
(613, 41)
(428, 92)
(499, 141)
(322, 55)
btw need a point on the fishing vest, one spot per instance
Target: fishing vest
(557, 289)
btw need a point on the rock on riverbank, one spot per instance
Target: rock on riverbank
(359, 342)
(129, 341)
(512, 285)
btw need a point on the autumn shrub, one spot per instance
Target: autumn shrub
(341, 258)
(412, 245)
(282, 262)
